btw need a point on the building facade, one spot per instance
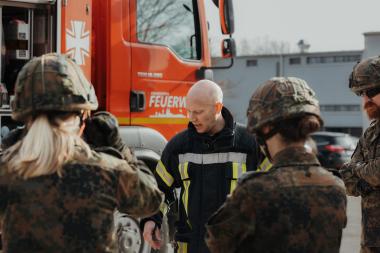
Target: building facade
(326, 72)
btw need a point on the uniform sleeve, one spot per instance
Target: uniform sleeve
(232, 223)
(164, 174)
(369, 172)
(355, 186)
(365, 170)
(137, 191)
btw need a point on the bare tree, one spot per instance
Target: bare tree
(157, 19)
(263, 45)
(168, 22)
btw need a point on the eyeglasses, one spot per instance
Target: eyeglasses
(369, 93)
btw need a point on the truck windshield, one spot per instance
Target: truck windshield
(173, 23)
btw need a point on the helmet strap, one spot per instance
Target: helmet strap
(82, 117)
(261, 139)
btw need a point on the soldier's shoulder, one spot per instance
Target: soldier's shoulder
(372, 129)
(100, 159)
(250, 176)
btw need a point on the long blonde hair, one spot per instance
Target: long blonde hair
(49, 143)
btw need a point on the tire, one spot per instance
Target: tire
(129, 236)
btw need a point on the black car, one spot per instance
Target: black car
(334, 149)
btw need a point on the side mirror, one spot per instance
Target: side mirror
(226, 14)
(228, 48)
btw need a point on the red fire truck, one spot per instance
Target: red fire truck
(141, 56)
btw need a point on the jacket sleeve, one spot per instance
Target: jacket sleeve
(369, 172)
(164, 174)
(137, 191)
(355, 186)
(232, 223)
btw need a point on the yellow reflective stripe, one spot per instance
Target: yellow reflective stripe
(238, 169)
(183, 170)
(186, 184)
(235, 175)
(265, 165)
(244, 168)
(164, 208)
(182, 247)
(164, 174)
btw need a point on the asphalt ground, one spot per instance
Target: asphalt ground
(351, 234)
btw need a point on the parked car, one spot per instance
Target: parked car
(334, 149)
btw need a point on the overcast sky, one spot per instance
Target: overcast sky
(327, 25)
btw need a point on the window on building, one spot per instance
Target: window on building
(295, 60)
(173, 23)
(347, 58)
(251, 63)
(332, 59)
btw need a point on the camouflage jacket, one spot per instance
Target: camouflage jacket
(365, 182)
(295, 207)
(74, 212)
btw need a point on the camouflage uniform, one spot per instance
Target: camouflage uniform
(72, 212)
(362, 175)
(297, 206)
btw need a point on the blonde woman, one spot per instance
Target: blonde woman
(56, 194)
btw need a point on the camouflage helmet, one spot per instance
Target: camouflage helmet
(365, 75)
(278, 99)
(52, 82)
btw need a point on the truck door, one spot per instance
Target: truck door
(166, 54)
(75, 32)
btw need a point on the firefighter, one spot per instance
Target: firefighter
(361, 175)
(205, 161)
(297, 206)
(56, 194)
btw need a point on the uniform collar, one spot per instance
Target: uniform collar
(294, 156)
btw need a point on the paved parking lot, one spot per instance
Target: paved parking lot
(351, 234)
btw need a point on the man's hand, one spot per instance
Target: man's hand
(152, 234)
(346, 172)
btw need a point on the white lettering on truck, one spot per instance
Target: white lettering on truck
(162, 100)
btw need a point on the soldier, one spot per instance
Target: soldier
(361, 175)
(205, 161)
(56, 194)
(297, 206)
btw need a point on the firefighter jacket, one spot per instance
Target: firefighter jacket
(297, 206)
(364, 181)
(206, 169)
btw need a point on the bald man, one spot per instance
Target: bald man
(204, 161)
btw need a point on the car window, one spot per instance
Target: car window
(345, 141)
(321, 140)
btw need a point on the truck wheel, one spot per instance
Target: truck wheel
(129, 237)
